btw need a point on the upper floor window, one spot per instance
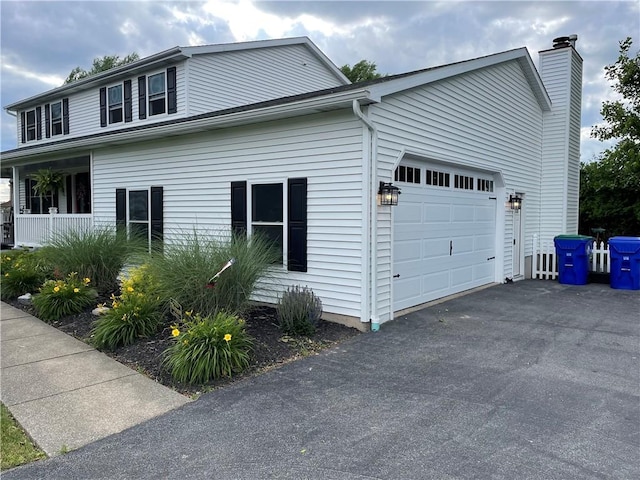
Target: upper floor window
(56, 118)
(157, 94)
(115, 103)
(31, 125)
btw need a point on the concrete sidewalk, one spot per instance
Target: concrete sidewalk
(65, 393)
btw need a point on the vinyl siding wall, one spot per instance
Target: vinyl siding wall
(561, 72)
(487, 119)
(84, 110)
(230, 79)
(196, 171)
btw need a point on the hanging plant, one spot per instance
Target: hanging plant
(48, 181)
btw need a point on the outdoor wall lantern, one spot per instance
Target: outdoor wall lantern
(515, 202)
(388, 194)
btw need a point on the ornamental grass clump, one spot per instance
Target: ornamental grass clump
(58, 298)
(299, 311)
(96, 253)
(135, 313)
(22, 272)
(184, 271)
(208, 348)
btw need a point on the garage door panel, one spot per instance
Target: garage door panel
(435, 219)
(407, 251)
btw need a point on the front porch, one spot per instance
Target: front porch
(35, 215)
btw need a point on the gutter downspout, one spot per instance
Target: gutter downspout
(371, 221)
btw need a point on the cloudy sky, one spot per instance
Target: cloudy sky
(41, 42)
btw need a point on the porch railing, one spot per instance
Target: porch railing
(34, 230)
(545, 261)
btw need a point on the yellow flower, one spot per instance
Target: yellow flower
(6, 274)
(86, 280)
(175, 332)
(227, 337)
(8, 258)
(129, 289)
(185, 342)
(56, 288)
(76, 290)
(188, 313)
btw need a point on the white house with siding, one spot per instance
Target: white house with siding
(270, 136)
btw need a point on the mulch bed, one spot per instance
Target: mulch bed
(271, 348)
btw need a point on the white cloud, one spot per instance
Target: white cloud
(51, 80)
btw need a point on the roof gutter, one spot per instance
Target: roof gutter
(186, 126)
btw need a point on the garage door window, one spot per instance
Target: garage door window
(463, 182)
(407, 174)
(438, 179)
(485, 185)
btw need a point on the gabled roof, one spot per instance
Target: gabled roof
(167, 57)
(367, 92)
(396, 83)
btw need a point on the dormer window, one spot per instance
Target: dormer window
(157, 94)
(56, 118)
(114, 95)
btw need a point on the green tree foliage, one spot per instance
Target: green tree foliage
(100, 65)
(361, 71)
(610, 186)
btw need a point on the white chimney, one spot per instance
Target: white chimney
(561, 72)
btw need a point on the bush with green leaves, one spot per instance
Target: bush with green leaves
(208, 348)
(98, 253)
(135, 313)
(22, 272)
(184, 270)
(299, 311)
(58, 298)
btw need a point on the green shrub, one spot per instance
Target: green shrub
(134, 314)
(96, 253)
(21, 273)
(299, 311)
(58, 298)
(184, 269)
(208, 348)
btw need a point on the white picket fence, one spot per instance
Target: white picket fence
(545, 263)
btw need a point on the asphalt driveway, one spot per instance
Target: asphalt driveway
(526, 380)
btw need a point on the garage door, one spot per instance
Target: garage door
(444, 233)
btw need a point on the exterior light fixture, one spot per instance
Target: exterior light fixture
(388, 194)
(515, 202)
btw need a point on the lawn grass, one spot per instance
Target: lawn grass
(17, 447)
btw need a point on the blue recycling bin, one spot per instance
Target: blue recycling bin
(624, 253)
(573, 258)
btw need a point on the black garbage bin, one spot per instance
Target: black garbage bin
(573, 258)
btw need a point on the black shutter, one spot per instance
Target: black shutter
(128, 115)
(156, 215)
(239, 208)
(142, 97)
(65, 116)
(23, 127)
(47, 121)
(38, 123)
(69, 197)
(121, 210)
(297, 227)
(103, 107)
(172, 97)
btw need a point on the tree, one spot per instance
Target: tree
(361, 71)
(100, 65)
(610, 186)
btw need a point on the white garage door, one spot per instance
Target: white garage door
(444, 234)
